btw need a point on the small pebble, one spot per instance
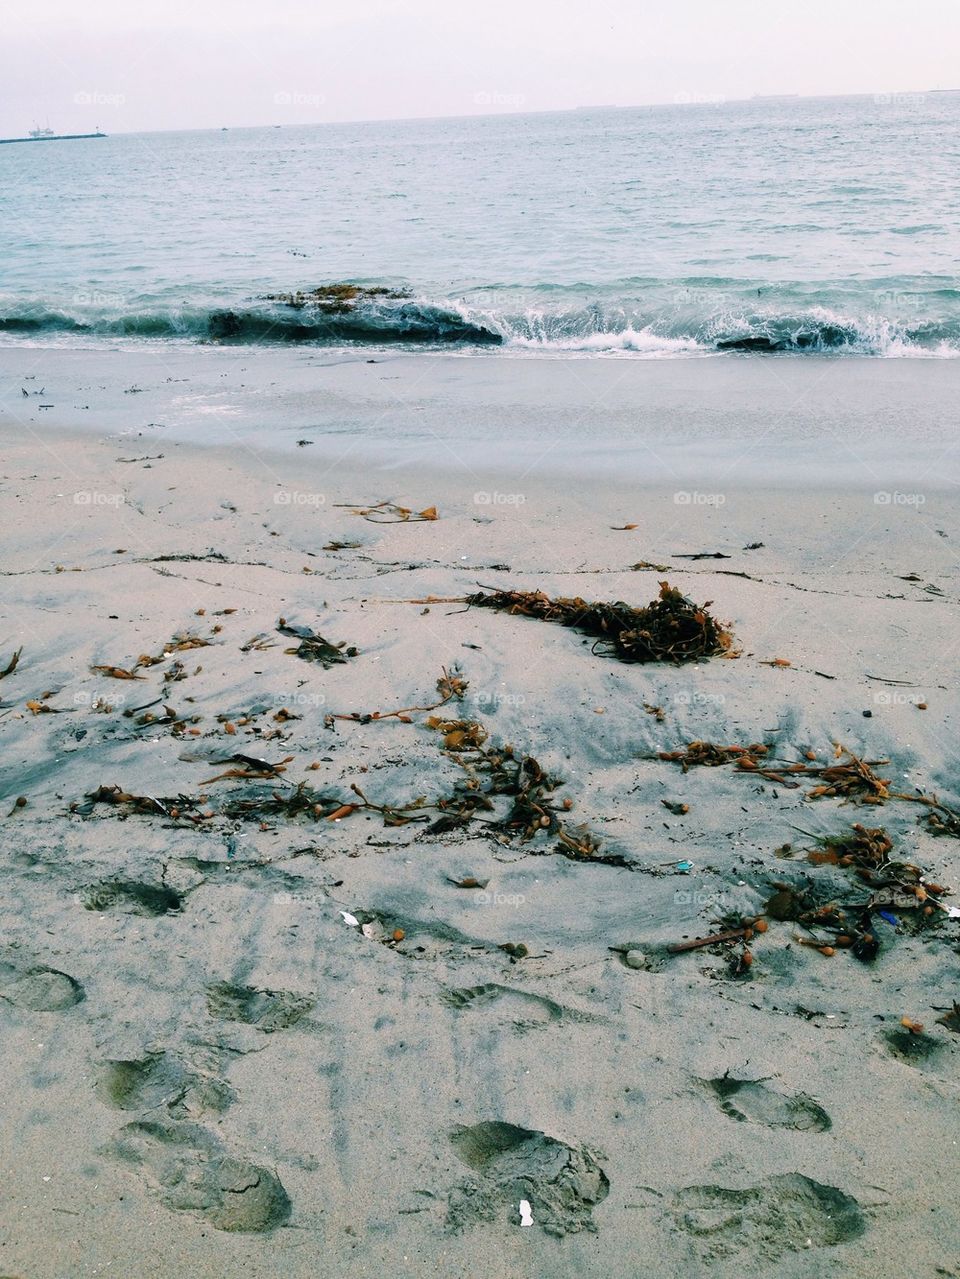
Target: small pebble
(868, 714)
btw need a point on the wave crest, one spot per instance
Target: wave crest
(653, 323)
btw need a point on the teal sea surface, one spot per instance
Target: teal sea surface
(793, 225)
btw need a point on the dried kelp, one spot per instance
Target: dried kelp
(459, 734)
(335, 299)
(182, 642)
(853, 778)
(863, 847)
(393, 815)
(849, 778)
(11, 666)
(867, 851)
(246, 766)
(942, 821)
(491, 774)
(177, 806)
(40, 706)
(492, 771)
(451, 685)
(257, 805)
(669, 629)
(708, 755)
(301, 801)
(314, 648)
(898, 893)
(391, 513)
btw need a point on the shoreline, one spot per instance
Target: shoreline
(739, 421)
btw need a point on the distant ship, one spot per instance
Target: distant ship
(46, 134)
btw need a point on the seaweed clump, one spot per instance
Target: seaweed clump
(671, 628)
(335, 299)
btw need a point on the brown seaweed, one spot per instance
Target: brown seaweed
(11, 666)
(313, 647)
(391, 513)
(450, 685)
(335, 299)
(709, 755)
(669, 629)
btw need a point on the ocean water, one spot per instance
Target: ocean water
(794, 225)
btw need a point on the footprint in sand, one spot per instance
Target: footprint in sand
(523, 1009)
(268, 1010)
(132, 897)
(751, 1100)
(41, 990)
(924, 1052)
(562, 1183)
(158, 1080)
(189, 1171)
(788, 1213)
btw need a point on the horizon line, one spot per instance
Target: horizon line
(704, 100)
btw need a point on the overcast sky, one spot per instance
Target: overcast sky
(174, 64)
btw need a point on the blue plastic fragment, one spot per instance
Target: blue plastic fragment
(684, 867)
(885, 914)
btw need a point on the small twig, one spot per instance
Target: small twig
(732, 934)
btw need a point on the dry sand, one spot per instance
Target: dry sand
(210, 1071)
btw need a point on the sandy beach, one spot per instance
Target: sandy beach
(259, 1017)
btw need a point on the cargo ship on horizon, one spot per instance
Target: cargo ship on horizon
(46, 134)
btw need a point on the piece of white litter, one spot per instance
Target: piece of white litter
(368, 930)
(526, 1213)
(953, 912)
(350, 919)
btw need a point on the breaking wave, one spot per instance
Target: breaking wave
(654, 326)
